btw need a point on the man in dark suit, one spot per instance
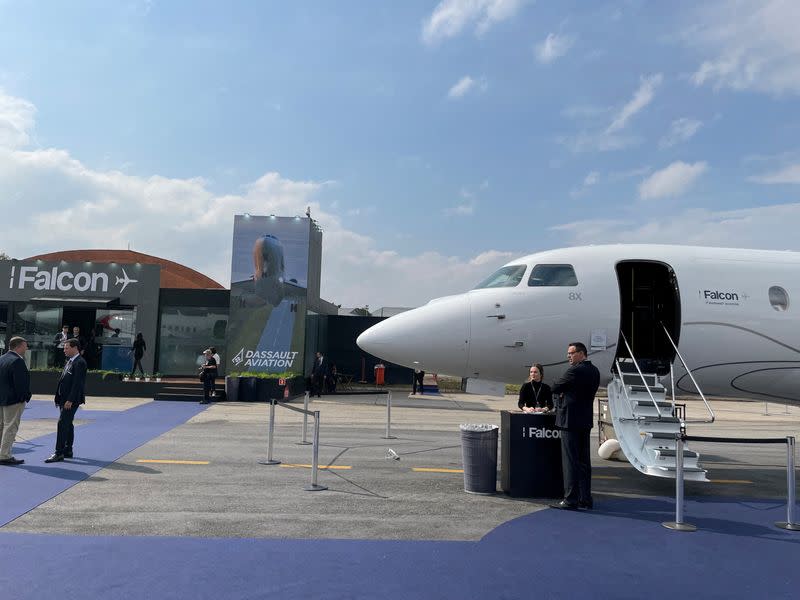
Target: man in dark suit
(319, 374)
(574, 401)
(15, 391)
(58, 347)
(70, 394)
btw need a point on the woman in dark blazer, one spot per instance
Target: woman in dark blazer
(534, 395)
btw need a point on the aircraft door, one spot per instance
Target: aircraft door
(649, 301)
(499, 332)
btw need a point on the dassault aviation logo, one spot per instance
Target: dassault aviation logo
(237, 360)
(282, 359)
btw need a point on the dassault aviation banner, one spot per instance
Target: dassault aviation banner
(269, 279)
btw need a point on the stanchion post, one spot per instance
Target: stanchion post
(790, 524)
(270, 435)
(389, 435)
(304, 441)
(314, 487)
(678, 524)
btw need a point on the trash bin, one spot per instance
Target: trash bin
(479, 453)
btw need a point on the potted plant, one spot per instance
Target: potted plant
(158, 377)
(147, 378)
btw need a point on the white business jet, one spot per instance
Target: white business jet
(731, 315)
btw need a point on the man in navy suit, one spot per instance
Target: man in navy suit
(15, 391)
(70, 394)
(319, 374)
(576, 390)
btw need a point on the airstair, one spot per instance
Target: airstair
(647, 421)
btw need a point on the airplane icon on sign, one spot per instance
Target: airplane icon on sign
(125, 280)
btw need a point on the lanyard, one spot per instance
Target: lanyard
(536, 392)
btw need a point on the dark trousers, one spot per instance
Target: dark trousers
(208, 384)
(317, 384)
(65, 430)
(137, 363)
(418, 378)
(576, 464)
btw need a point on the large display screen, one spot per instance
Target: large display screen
(269, 280)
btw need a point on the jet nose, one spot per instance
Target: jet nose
(433, 337)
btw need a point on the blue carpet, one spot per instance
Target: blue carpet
(110, 435)
(618, 551)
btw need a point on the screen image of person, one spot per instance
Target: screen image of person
(535, 395)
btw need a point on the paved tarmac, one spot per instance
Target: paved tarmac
(214, 486)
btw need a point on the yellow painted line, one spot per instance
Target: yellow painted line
(424, 470)
(606, 477)
(173, 462)
(329, 467)
(729, 481)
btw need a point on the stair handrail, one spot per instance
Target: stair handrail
(689, 373)
(672, 385)
(644, 381)
(622, 381)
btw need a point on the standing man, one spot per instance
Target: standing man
(70, 394)
(76, 334)
(58, 352)
(318, 374)
(574, 418)
(419, 377)
(15, 391)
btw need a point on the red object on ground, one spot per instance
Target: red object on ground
(380, 371)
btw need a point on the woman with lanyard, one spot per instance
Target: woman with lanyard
(534, 395)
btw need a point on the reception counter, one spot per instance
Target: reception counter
(530, 455)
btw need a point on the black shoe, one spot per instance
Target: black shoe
(11, 461)
(564, 505)
(587, 504)
(54, 458)
(67, 453)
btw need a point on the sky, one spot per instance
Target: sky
(433, 140)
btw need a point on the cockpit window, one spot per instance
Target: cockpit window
(553, 275)
(504, 277)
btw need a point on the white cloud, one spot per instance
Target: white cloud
(788, 174)
(45, 191)
(451, 17)
(552, 47)
(16, 120)
(597, 141)
(750, 45)
(613, 136)
(591, 178)
(680, 130)
(672, 180)
(466, 209)
(641, 98)
(767, 227)
(584, 111)
(465, 85)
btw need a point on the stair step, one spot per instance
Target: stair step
(649, 403)
(686, 469)
(662, 435)
(660, 420)
(673, 453)
(655, 389)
